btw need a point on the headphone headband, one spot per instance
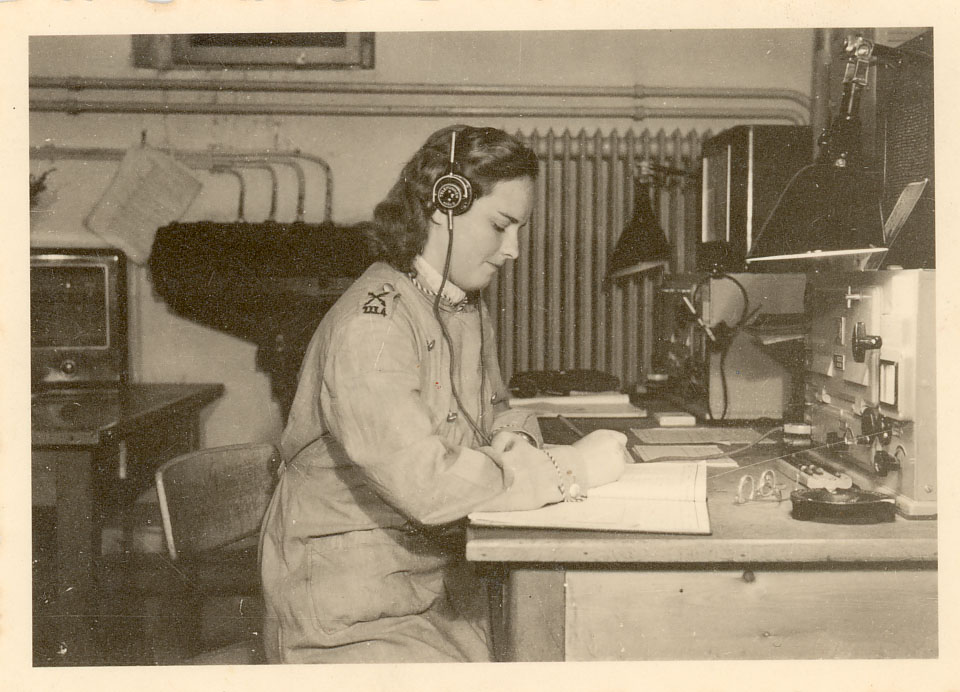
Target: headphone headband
(452, 193)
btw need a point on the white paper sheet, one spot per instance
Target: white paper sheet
(150, 189)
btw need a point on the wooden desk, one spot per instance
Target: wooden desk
(762, 586)
(93, 453)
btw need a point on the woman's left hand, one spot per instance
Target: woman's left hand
(605, 455)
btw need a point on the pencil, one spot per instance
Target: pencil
(566, 422)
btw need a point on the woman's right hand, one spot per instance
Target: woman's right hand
(604, 454)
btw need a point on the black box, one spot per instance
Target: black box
(745, 169)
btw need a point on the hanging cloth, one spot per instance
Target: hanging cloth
(230, 276)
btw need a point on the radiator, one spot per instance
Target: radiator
(553, 308)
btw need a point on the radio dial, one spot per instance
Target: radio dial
(68, 367)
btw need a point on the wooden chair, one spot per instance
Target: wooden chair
(212, 503)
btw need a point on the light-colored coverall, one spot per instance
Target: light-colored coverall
(362, 546)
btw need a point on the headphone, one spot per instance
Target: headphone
(452, 193)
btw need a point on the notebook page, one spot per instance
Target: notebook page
(683, 481)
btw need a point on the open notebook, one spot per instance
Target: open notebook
(648, 498)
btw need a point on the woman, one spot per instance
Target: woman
(400, 428)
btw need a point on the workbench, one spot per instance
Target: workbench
(762, 586)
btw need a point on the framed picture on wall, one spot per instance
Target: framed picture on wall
(307, 51)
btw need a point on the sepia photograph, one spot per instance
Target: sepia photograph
(530, 342)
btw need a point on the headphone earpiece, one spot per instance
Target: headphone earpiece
(452, 193)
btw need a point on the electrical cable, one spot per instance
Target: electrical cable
(723, 384)
(723, 455)
(745, 316)
(776, 205)
(478, 431)
(786, 457)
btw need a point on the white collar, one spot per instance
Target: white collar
(431, 279)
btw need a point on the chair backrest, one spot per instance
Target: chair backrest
(214, 497)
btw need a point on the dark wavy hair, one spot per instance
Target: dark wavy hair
(484, 155)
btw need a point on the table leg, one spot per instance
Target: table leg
(77, 534)
(534, 604)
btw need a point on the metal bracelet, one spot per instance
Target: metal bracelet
(571, 492)
(522, 433)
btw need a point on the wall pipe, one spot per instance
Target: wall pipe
(77, 107)
(637, 91)
(302, 190)
(207, 160)
(274, 184)
(243, 188)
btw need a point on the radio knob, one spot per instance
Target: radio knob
(863, 342)
(68, 367)
(874, 427)
(884, 462)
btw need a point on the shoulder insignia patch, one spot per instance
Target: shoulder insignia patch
(375, 303)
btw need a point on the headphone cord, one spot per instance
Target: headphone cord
(478, 431)
(745, 316)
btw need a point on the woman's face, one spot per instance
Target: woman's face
(484, 237)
